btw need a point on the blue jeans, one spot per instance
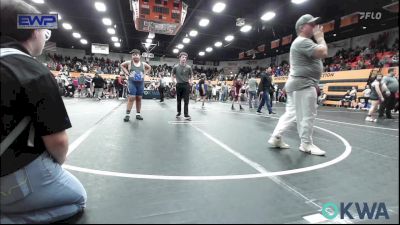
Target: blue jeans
(253, 94)
(41, 192)
(265, 99)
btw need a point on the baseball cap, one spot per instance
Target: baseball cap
(304, 19)
(183, 53)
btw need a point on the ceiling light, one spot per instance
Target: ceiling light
(186, 40)
(219, 7)
(268, 16)
(364, 28)
(84, 41)
(218, 44)
(204, 22)
(76, 35)
(114, 39)
(38, 1)
(193, 33)
(176, 51)
(59, 16)
(148, 40)
(100, 6)
(111, 31)
(229, 38)
(147, 45)
(107, 21)
(117, 44)
(334, 35)
(67, 26)
(151, 35)
(202, 53)
(245, 28)
(180, 46)
(209, 49)
(298, 1)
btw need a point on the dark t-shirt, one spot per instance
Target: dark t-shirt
(98, 82)
(27, 89)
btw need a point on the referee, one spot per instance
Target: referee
(301, 87)
(183, 76)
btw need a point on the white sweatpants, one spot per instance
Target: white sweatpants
(301, 106)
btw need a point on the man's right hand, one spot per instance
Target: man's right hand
(318, 32)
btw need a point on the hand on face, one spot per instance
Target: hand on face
(318, 32)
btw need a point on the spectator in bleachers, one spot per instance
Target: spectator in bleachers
(346, 99)
(81, 84)
(119, 86)
(224, 92)
(384, 61)
(98, 83)
(395, 59)
(366, 95)
(353, 97)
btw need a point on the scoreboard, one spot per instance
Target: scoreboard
(159, 16)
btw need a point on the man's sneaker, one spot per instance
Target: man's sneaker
(139, 117)
(259, 112)
(126, 119)
(233, 108)
(369, 119)
(187, 117)
(272, 113)
(277, 142)
(178, 115)
(241, 108)
(311, 149)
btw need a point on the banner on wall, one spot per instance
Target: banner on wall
(329, 26)
(275, 44)
(340, 76)
(349, 19)
(287, 40)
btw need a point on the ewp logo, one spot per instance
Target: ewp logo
(375, 212)
(372, 15)
(37, 21)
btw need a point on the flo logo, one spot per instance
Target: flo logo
(370, 15)
(375, 211)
